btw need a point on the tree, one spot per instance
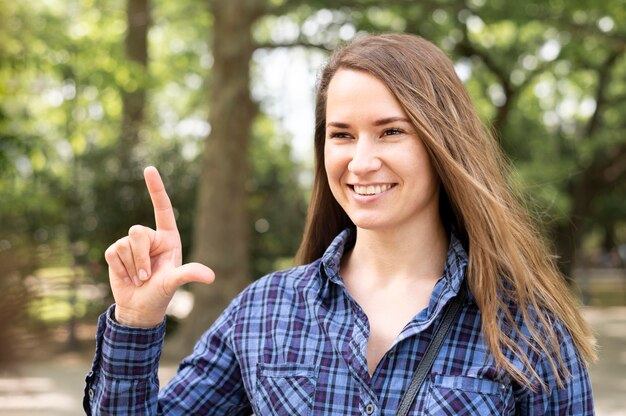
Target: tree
(133, 98)
(133, 114)
(221, 234)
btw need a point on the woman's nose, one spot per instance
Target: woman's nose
(365, 157)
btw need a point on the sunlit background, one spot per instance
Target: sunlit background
(92, 91)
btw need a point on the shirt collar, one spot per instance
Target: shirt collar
(453, 273)
(456, 263)
(331, 259)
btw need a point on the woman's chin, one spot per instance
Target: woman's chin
(370, 224)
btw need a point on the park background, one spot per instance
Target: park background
(218, 94)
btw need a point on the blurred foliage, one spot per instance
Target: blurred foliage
(65, 194)
(549, 76)
(276, 200)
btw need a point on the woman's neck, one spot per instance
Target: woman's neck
(409, 253)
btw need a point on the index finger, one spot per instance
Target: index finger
(163, 211)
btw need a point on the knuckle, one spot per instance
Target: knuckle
(122, 245)
(140, 259)
(110, 253)
(136, 230)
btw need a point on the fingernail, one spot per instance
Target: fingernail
(143, 275)
(137, 281)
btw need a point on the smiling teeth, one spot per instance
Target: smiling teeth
(371, 189)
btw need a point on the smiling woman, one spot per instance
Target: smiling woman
(527, 322)
(410, 218)
(380, 173)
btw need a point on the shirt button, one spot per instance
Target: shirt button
(91, 393)
(369, 409)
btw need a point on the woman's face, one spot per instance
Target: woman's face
(377, 167)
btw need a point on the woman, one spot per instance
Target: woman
(410, 207)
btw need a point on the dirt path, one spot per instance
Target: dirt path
(608, 375)
(54, 387)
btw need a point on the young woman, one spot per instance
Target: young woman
(410, 206)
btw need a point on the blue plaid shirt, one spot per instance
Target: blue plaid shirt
(294, 343)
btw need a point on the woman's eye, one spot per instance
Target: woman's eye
(339, 135)
(392, 132)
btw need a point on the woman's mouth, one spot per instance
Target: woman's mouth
(372, 189)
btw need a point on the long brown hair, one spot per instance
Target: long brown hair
(507, 255)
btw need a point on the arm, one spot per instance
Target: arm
(145, 269)
(124, 377)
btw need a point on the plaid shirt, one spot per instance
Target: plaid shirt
(294, 343)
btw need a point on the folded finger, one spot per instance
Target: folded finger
(141, 239)
(125, 254)
(117, 270)
(116, 267)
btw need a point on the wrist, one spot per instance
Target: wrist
(136, 319)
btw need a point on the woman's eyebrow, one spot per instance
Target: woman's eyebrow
(337, 124)
(379, 122)
(387, 120)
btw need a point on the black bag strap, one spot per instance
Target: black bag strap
(452, 310)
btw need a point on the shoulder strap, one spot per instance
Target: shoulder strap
(452, 310)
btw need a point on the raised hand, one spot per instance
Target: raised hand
(145, 267)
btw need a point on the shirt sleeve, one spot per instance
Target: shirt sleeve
(123, 378)
(124, 381)
(573, 398)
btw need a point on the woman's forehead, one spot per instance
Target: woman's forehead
(357, 92)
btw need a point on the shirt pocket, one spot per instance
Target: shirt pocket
(285, 389)
(463, 395)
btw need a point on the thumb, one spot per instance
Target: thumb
(193, 272)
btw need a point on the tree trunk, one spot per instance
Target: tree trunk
(606, 171)
(221, 229)
(567, 236)
(128, 176)
(133, 101)
(597, 178)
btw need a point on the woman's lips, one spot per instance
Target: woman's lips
(374, 189)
